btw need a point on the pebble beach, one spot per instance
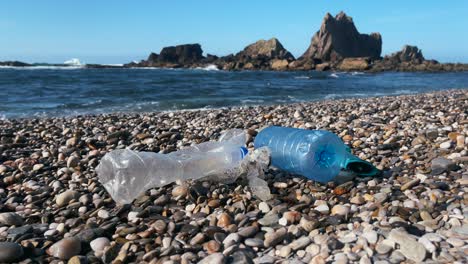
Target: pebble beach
(54, 210)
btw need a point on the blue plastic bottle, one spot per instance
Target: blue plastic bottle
(317, 154)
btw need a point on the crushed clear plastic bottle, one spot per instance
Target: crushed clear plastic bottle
(126, 174)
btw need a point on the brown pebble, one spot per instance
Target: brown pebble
(180, 191)
(358, 199)
(212, 246)
(292, 216)
(65, 248)
(224, 220)
(214, 203)
(410, 184)
(453, 136)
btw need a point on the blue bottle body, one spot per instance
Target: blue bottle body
(317, 154)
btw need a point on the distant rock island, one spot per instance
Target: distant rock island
(338, 45)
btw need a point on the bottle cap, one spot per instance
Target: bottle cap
(244, 151)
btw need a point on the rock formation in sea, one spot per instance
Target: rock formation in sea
(178, 56)
(411, 58)
(407, 54)
(354, 64)
(263, 54)
(338, 45)
(181, 54)
(338, 39)
(14, 63)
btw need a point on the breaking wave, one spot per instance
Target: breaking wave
(73, 62)
(210, 67)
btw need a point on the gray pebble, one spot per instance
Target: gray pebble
(10, 219)
(253, 242)
(10, 252)
(248, 231)
(300, 243)
(64, 198)
(269, 219)
(409, 247)
(65, 248)
(215, 258)
(231, 239)
(273, 238)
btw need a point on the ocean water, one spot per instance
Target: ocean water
(67, 91)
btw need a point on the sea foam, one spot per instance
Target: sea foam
(210, 67)
(73, 62)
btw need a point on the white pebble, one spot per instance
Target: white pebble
(264, 207)
(98, 245)
(371, 236)
(323, 208)
(446, 145)
(104, 214)
(132, 216)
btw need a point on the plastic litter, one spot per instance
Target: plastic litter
(317, 154)
(126, 174)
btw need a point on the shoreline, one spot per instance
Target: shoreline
(237, 107)
(452, 67)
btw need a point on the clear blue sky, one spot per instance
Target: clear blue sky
(122, 31)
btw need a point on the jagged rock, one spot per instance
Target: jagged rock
(407, 54)
(182, 54)
(336, 46)
(354, 64)
(338, 38)
(153, 58)
(210, 58)
(410, 58)
(271, 49)
(279, 65)
(186, 55)
(263, 54)
(301, 65)
(323, 66)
